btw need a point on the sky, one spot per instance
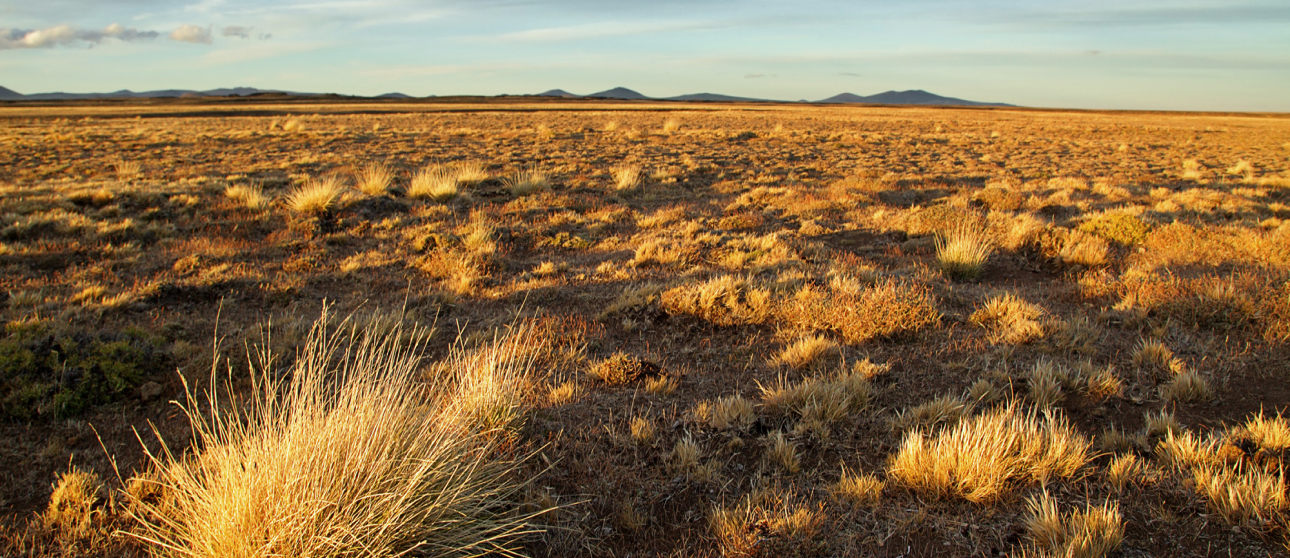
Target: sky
(1123, 54)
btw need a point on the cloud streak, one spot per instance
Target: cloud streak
(66, 35)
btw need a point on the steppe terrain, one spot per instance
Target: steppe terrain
(725, 329)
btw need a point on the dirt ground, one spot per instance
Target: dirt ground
(127, 246)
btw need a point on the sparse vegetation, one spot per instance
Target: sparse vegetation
(751, 330)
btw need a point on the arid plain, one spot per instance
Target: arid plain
(726, 329)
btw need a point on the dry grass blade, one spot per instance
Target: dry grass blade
(348, 454)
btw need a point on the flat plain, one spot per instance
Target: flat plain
(740, 329)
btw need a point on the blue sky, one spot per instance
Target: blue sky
(1127, 54)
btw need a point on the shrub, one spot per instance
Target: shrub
(1122, 228)
(978, 459)
(64, 374)
(350, 453)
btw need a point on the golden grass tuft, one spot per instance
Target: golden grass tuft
(374, 179)
(724, 301)
(528, 182)
(1090, 533)
(1187, 387)
(816, 403)
(1010, 319)
(782, 453)
(626, 177)
(251, 196)
(946, 409)
(861, 489)
(352, 452)
(963, 251)
(436, 183)
(810, 352)
(316, 196)
(71, 512)
(642, 430)
(889, 308)
(732, 412)
(981, 457)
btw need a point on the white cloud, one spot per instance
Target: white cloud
(192, 34)
(66, 35)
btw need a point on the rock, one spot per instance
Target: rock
(149, 391)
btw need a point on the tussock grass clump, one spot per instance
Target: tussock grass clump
(782, 453)
(127, 169)
(626, 177)
(621, 368)
(861, 489)
(1187, 387)
(352, 452)
(725, 301)
(1091, 533)
(316, 196)
(527, 182)
(252, 197)
(889, 308)
(1010, 319)
(809, 352)
(374, 179)
(73, 506)
(1120, 227)
(963, 251)
(818, 402)
(980, 458)
(732, 412)
(946, 409)
(436, 183)
(1241, 473)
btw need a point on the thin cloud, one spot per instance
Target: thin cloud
(66, 35)
(604, 29)
(236, 31)
(192, 34)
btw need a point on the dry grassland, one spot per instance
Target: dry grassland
(581, 329)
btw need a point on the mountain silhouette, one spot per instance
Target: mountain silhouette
(557, 93)
(911, 97)
(619, 93)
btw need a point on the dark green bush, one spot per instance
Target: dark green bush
(46, 374)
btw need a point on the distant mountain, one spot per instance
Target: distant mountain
(557, 93)
(393, 96)
(913, 97)
(710, 97)
(619, 93)
(7, 94)
(845, 98)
